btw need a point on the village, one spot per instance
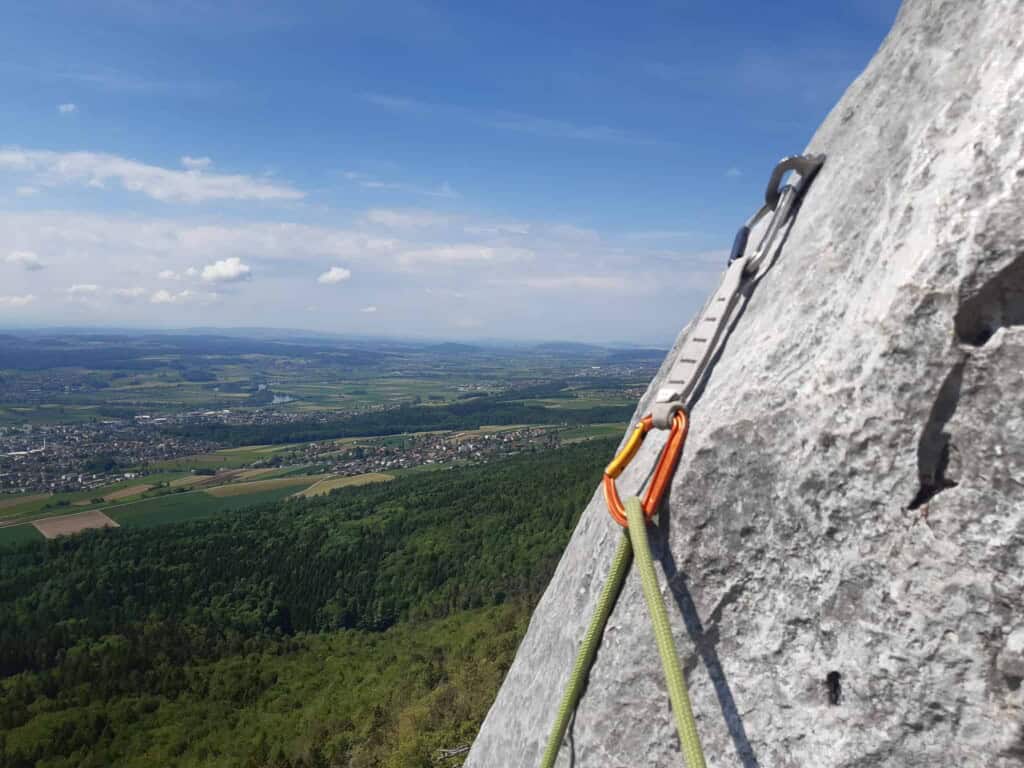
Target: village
(90, 455)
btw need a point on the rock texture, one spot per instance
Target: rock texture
(851, 497)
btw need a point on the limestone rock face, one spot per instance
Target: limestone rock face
(851, 496)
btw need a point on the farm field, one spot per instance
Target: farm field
(65, 525)
(194, 505)
(591, 431)
(127, 492)
(25, 507)
(229, 458)
(184, 505)
(259, 486)
(7, 502)
(324, 487)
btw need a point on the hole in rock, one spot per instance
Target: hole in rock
(835, 688)
(997, 304)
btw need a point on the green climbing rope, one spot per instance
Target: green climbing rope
(689, 740)
(588, 650)
(634, 541)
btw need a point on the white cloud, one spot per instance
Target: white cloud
(405, 219)
(524, 279)
(574, 233)
(83, 289)
(156, 244)
(163, 296)
(165, 184)
(462, 253)
(16, 301)
(228, 270)
(734, 173)
(169, 274)
(67, 109)
(130, 293)
(196, 163)
(497, 229)
(334, 275)
(26, 191)
(368, 310)
(26, 260)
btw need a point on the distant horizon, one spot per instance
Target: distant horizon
(270, 331)
(402, 167)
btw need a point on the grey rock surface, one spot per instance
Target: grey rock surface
(851, 496)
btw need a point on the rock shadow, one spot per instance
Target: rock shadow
(705, 641)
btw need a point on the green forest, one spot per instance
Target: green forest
(366, 628)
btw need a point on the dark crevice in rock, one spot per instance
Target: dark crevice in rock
(997, 304)
(833, 682)
(933, 448)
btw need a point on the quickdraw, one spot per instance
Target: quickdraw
(709, 331)
(663, 471)
(672, 403)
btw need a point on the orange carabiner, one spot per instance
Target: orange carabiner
(663, 471)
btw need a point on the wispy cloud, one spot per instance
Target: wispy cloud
(366, 181)
(83, 289)
(84, 293)
(97, 77)
(196, 163)
(561, 129)
(462, 253)
(15, 302)
(67, 109)
(26, 260)
(513, 121)
(517, 229)
(733, 173)
(96, 170)
(368, 310)
(163, 296)
(600, 283)
(406, 219)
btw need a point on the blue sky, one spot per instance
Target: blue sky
(462, 170)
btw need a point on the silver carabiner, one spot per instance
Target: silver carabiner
(805, 166)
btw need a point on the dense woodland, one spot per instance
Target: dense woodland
(366, 628)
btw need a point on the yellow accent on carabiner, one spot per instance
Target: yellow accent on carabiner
(614, 469)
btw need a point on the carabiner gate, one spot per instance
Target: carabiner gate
(663, 471)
